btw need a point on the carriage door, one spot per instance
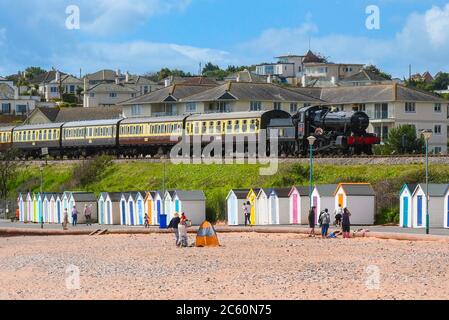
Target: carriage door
(123, 212)
(405, 217)
(419, 213)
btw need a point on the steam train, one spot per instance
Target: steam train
(336, 133)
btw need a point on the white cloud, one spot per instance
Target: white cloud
(136, 56)
(423, 42)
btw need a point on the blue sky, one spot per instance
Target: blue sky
(145, 35)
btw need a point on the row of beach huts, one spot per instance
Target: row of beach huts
(291, 205)
(110, 208)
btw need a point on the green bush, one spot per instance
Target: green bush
(90, 171)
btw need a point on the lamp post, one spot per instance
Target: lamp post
(427, 134)
(311, 140)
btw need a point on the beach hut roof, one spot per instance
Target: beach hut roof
(84, 196)
(303, 191)
(410, 186)
(327, 190)
(194, 195)
(435, 190)
(267, 192)
(255, 190)
(281, 192)
(115, 196)
(241, 194)
(357, 189)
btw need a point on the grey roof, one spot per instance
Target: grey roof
(250, 91)
(91, 123)
(39, 126)
(111, 87)
(224, 116)
(309, 91)
(327, 190)
(282, 192)
(435, 190)
(193, 195)
(358, 189)
(50, 113)
(85, 114)
(364, 75)
(303, 191)
(46, 77)
(8, 127)
(267, 191)
(153, 119)
(173, 93)
(102, 75)
(376, 93)
(246, 76)
(84, 196)
(114, 196)
(241, 193)
(6, 92)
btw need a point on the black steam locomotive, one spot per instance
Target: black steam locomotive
(336, 132)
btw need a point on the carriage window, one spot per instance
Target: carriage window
(197, 128)
(204, 128)
(237, 126)
(218, 127)
(245, 126)
(40, 135)
(211, 127)
(252, 126)
(229, 127)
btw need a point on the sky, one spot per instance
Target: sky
(142, 36)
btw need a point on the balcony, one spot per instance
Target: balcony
(164, 114)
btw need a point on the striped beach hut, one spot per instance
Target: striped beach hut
(149, 207)
(46, 208)
(359, 199)
(169, 204)
(124, 209)
(39, 215)
(59, 211)
(252, 198)
(158, 206)
(299, 205)
(140, 207)
(438, 198)
(406, 205)
(234, 204)
(80, 200)
(279, 206)
(109, 208)
(192, 203)
(263, 208)
(29, 207)
(323, 197)
(21, 205)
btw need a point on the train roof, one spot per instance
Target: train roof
(154, 119)
(91, 123)
(6, 128)
(229, 115)
(39, 126)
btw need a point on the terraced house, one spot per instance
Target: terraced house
(392, 105)
(232, 96)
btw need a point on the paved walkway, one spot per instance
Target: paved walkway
(388, 229)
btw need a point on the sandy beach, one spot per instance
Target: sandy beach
(247, 266)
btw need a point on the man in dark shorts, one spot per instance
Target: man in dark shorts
(346, 224)
(312, 222)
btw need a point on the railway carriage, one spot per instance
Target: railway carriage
(87, 138)
(6, 138)
(150, 136)
(31, 139)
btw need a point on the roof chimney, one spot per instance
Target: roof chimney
(57, 76)
(104, 74)
(167, 82)
(85, 84)
(127, 76)
(117, 80)
(269, 79)
(238, 77)
(118, 72)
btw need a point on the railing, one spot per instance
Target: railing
(164, 114)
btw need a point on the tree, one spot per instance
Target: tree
(441, 82)
(403, 140)
(32, 72)
(8, 170)
(210, 67)
(376, 70)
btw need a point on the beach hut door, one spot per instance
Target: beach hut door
(177, 209)
(58, 208)
(274, 219)
(295, 209)
(405, 217)
(123, 213)
(131, 213)
(102, 212)
(109, 214)
(419, 211)
(315, 204)
(140, 211)
(159, 211)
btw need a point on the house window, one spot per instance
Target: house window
(293, 107)
(437, 129)
(92, 95)
(437, 107)
(6, 108)
(255, 106)
(72, 89)
(224, 107)
(359, 107)
(21, 109)
(381, 111)
(410, 107)
(54, 89)
(277, 105)
(112, 95)
(437, 150)
(136, 110)
(191, 107)
(145, 89)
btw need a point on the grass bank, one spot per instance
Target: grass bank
(217, 180)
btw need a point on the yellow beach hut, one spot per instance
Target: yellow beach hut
(252, 198)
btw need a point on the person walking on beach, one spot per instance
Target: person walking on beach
(338, 215)
(346, 223)
(312, 222)
(88, 214)
(147, 220)
(174, 224)
(74, 216)
(325, 220)
(182, 228)
(247, 214)
(65, 222)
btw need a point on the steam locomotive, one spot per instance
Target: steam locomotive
(335, 132)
